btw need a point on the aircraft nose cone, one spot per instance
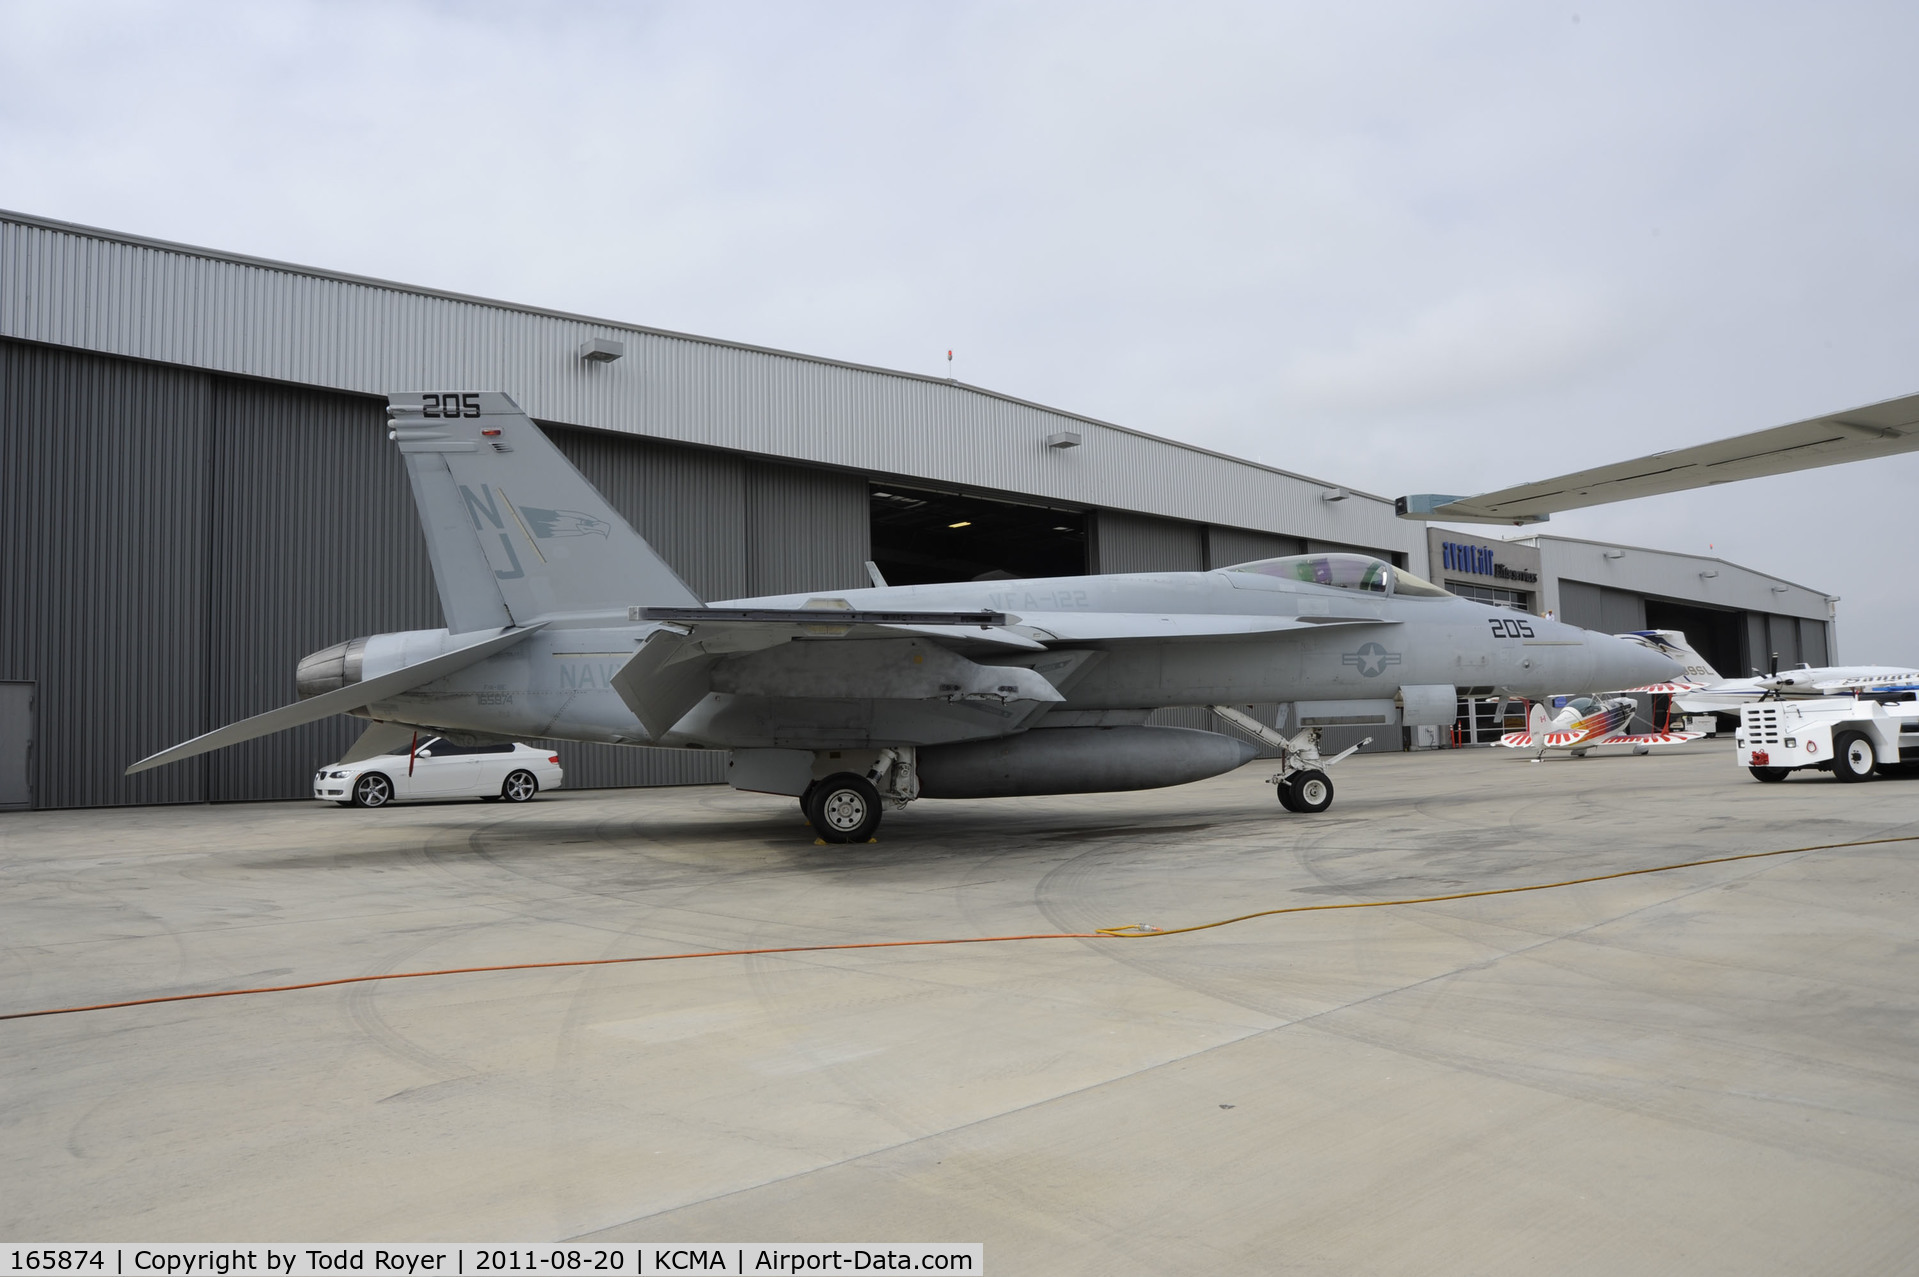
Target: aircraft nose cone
(1621, 663)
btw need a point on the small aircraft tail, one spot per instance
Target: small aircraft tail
(516, 533)
(1673, 643)
(1539, 721)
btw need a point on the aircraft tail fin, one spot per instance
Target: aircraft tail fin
(516, 533)
(1674, 643)
(1539, 720)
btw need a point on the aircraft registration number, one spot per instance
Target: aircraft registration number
(1510, 627)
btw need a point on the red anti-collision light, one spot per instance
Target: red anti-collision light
(489, 433)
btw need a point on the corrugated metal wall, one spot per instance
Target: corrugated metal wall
(1599, 607)
(313, 540)
(177, 541)
(1119, 542)
(1227, 546)
(1782, 643)
(219, 313)
(689, 504)
(1812, 642)
(103, 596)
(806, 530)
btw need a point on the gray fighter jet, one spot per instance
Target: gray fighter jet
(563, 623)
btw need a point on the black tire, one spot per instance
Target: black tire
(843, 808)
(1312, 792)
(806, 799)
(371, 789)
(519, 786)
(1285, 791)
(1771, 775)
(1852, 756)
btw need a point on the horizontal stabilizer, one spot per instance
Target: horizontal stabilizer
(353, 696)
(1653, 738)
(1664, 689)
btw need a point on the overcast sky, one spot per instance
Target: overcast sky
(1404, 247)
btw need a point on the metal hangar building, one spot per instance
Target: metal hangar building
(198, 490)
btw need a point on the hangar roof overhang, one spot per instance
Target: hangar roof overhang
(111, 293)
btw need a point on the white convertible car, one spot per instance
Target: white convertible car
(438, 768)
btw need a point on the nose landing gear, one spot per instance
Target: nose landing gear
(1301, 779)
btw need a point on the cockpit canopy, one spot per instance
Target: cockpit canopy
(1582, 705)
(1345, 572)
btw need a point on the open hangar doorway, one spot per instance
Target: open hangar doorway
(921, 537)
(1715, 633)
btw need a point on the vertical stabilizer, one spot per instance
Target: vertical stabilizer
(514, 531)
(1673, 643)
(1539, 721)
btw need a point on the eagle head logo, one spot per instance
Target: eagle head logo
(564, 523)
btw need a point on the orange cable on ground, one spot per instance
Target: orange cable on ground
(1136, 931)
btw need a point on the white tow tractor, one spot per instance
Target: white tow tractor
(1851, 736)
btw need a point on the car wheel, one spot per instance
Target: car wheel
(519, 787)
(1771, 775)
(1312, 791)
(372, 790)
(844, 808)
(1852, 757)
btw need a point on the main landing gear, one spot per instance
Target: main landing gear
(1301, 779)
(845, 807)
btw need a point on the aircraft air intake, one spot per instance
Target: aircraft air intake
(330, 669)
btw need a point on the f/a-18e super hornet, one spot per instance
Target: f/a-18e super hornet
(563, 623)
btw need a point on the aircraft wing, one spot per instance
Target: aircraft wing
(1526, 740)
(1861, 434)
(1107, 627)
(1652, 738)
(1664, 689)
(721, 630)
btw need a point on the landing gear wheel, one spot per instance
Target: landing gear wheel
(1311, 791)
(1771, 775)
(843, 808)
(1285, 791)
(806, 800)
(519, 787)
(1852, 757)
(372, 790)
